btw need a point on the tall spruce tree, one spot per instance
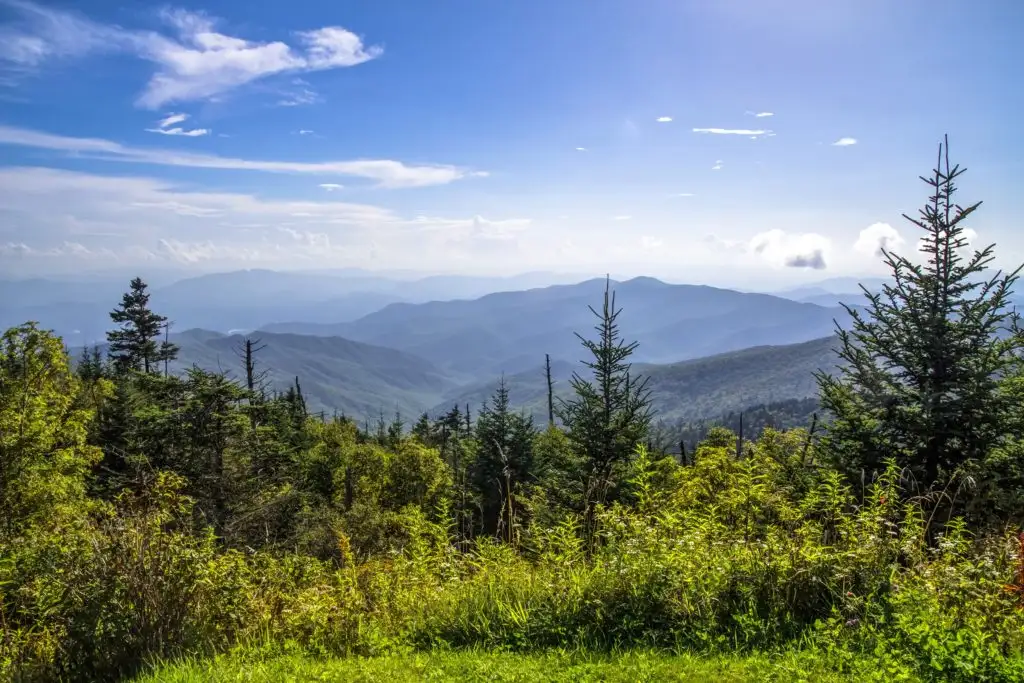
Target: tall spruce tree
(610, 414)
(504, 461)
(921, 365)
(134, 346)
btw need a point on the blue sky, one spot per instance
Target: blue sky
(736, 141)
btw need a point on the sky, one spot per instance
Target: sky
(735, 141)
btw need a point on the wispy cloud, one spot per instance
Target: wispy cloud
(171, 119)
(760, 114)
(299, 98)
(731, 131)
(305, 131)
(683, 194)
(664, 119)
(164, 129)
(386, 172)
(650, 242)
(844, 142)
(196, 62)
(69, 220)
(622, 218)
(581, 149)
(717, 166)
(331, 187)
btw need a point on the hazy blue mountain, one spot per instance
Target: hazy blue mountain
(238, 300)
(511, 331)
(690, 390)
(834, 285)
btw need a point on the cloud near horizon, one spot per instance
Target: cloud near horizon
(387, 173)
(73, 217)
(195, 61)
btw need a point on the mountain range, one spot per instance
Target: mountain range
(357, 349)
(240, 300)
(510, 332)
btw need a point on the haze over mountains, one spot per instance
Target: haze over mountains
(241, 300)
(509, 332)
(363, 343)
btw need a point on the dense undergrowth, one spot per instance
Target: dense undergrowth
(726, 556)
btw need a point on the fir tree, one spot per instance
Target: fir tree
(134, 345)
(610, 415)
(922, 364)
(504, 460)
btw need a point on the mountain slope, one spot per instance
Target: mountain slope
(690, 390)
(336, 374)
(511, 331)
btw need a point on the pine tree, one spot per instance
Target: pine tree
(922, 364)
(610, 415)
(504, 461)
(134, 345)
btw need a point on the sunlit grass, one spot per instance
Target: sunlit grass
(482, 666)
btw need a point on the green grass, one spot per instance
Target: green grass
(493, 667)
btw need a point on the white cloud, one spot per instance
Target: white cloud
(665, 119)
(193, 133)
(731, 131)
(876, 237)
(844, 142)
(43, 34)
(581, 149)
(763, 114)
(386, 172)
(305, 132)
(683, 194)
(171, 119)
(331, 187)
(162, 127)
(649, 242)
(717, 166)
(63, 218)
(791, 250)
(622, 218)
(199, 62)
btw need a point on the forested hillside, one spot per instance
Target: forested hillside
(336, 375)
(194, 525)
(704, 388)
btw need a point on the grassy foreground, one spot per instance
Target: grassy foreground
(482, 666)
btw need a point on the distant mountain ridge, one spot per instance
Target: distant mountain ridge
(511, 331)
(239, 300)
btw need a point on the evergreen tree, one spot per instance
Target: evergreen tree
(922, 364)
(610, 415)
(423, 431)
(134, 345)
(504, 461)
